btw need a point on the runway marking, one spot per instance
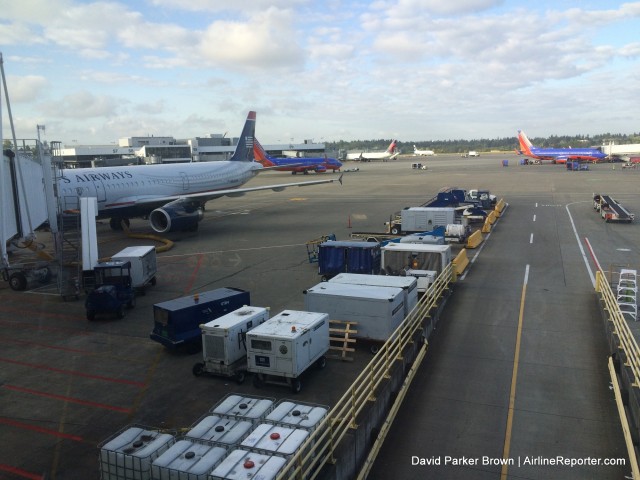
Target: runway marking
(79, 401)
(593, 255)
(514, 379)
(534, 217)
(35, 428)
(20, 472)
(531, 238)
(575, 232)
(194, 273)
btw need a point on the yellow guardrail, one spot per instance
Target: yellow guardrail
(320, 446)
(460, 262)
(500, 206)
(474, 239)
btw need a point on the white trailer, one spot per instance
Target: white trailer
(143, 265)
(425, 262)
(224, 346)
(426, 219)
(285, 346)
(408, 284)
(377, 310)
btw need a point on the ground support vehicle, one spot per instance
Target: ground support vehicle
(112, 292)
(19, 275)
(282, 348)
(224, 345)
(143, 265)
(611, 210)
(313, 246)
(348, 257)
(177, 322)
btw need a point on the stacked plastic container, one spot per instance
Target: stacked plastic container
(243, 465)
(249, 408)
(222, 430)
(306, 416)
(188, 459)
(627, 293)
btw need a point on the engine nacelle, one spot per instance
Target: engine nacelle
(175, 217)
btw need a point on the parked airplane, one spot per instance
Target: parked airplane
(417, 152)
(558, 155)
(294, 165)
(172, 196)
(391, 153)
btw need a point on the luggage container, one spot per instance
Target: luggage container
(408, 284)
(222, 430)
(377, 310)
(243, 407)
(143, 265)
(187, 460)
(128, 454)
(177, 322)
(224, 345)
(306, 416)
(243, 465)
(348, 256)
(272, 439)
(285, 346)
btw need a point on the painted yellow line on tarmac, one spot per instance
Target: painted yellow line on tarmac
(514, 379)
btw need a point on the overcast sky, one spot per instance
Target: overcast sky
(93, 72)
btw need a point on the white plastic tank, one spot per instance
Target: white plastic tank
(187, 460)
(227, 431)
(128, 454)
(297, 415)
(244, 465)
(246, 407)
(275, 439)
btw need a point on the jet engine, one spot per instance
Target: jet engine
(176, 216)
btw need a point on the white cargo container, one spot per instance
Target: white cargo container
(275, 439)
(425, 262)
(378, 311)
(408, 284)
(426, 219)
(283, 347)
(187, 460)
(129, 453)
(243, 465)
(143, 265)
(306, 416)
(222, 430)
(246, 407)
(224, 346)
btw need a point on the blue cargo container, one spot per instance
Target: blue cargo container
(177, 322)
(336, 257)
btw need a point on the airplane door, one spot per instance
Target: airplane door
(101, 194)
(185, 181)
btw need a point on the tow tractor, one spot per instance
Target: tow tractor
(112, 289)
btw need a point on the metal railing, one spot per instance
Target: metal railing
(320, 446)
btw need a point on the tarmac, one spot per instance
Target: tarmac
(527, 300)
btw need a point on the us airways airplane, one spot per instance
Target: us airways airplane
(294, 165)
(558, 155)
(171, 196)
(418, 153)
(391, 153)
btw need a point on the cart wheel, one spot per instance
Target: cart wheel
(322, 362)
(240, 376)
(198, 369)
(324, 278)
(257, 381)
(91, 315)
(120, 312)
(374, 348)
(296, 385)
(18, 281)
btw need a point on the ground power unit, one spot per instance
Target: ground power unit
(285, 346)
(224, 345)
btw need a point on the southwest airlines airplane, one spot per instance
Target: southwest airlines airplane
(294, 165)
(558, 155)
(171, 196)
(391, 153)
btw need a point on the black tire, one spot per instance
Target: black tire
(374, 348)
(18, 281)
(321, 362)
(296, 385)
(395, 230)
(240, 376)
(91, 315)
(198, 369)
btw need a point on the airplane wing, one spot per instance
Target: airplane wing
(203, 197)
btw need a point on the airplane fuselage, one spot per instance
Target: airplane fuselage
(567, 154)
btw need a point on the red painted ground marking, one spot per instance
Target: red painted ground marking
(20, 472)
(73, 372)
(194, 273)
(67, 399)
(35, 428)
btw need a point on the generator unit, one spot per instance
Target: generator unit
(408, 284)
(283, 347)
(425, 262)
(177, 322)
(224, 346)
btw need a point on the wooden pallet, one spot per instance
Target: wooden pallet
(340, 340)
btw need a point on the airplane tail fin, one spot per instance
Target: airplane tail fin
(261, 155)
(525, 144)
(244, 149)
(392, 147)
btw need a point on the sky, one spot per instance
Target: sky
(93, 72)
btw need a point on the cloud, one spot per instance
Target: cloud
(26, 89)
(83, 104)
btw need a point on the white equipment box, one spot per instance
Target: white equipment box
(227, 431)
(272, 439)
(408, 284)
(245, 407)
(378, 311)
(243, 465)
(420, 260)
(306, 416)
(224, 346)
(143, 264)
(188, 459)
(286, 345)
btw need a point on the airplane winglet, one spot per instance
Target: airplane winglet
(340, 179)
